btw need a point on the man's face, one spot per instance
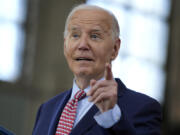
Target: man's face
(89, 45)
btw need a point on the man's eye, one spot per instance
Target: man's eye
(75, 35)
(94, 36)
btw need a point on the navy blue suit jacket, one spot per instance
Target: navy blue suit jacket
(141, 115)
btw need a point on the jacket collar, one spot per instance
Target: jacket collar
(121, 87)
(58, 110)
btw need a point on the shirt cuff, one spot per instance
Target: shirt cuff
(108, 118)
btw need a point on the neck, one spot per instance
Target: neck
(84, 82)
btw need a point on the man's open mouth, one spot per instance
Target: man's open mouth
(84, 59)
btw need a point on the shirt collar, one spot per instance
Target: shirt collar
(75, 88)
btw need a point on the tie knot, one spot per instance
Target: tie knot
(80, 95)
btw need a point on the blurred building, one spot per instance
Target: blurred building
(43, 71)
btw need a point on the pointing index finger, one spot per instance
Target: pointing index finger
(108, 72)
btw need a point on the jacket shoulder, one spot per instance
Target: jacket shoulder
(134, 97)
(140, 98)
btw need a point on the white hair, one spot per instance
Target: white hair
(115, 25)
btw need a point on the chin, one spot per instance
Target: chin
(83, 73)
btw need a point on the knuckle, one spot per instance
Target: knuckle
(101, 83)
(102, 96)
(114, 93)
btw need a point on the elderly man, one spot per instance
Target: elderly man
(97, 104)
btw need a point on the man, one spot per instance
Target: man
(91, 42)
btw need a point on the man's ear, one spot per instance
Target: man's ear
(116, 48)
(64, 47)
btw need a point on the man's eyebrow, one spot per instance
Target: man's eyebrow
(99, 30)
(73, 28)
(96, 30)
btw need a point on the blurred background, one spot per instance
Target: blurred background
(33, 68)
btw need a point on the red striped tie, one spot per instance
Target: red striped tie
(68, 115)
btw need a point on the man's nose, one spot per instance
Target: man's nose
(83, 44)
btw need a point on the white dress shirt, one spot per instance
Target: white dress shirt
(106, 119)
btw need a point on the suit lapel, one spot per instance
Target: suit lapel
(121, 87)
(58, 110)
(86, 122)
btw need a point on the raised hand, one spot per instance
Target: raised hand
(103, 93)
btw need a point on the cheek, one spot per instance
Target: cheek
(68, 50)
(68, 56)
(105, 54)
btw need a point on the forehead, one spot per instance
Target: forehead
(91, 18)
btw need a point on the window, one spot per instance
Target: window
(12, 17)
(144, 33)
